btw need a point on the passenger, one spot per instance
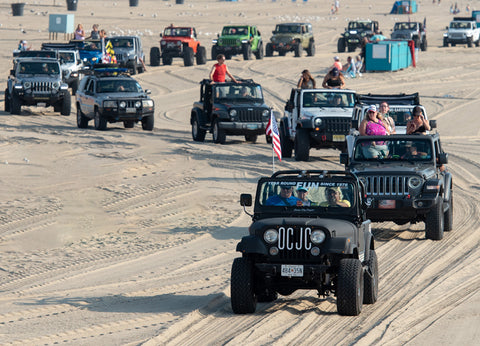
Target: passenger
(418, 125)
(79, 33)
(413, 153)
(334, 79)
(386, 118)
(219, 70)
(302, 195)
(334, 198)
(285, 198)
(373, 126)
(306, 81)
(94, 34)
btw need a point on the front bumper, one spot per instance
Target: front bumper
(36, 98)
(123, 115)
(386, 208)
(241, 128)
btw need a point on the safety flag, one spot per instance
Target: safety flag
(272, 131)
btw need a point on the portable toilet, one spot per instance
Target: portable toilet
(387, 56)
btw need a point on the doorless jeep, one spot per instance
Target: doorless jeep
(355, 33)
(405, 180)
(309, 231)
(411, 31)
(291, 37)
(238, 39)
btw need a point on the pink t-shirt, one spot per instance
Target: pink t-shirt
(375, 129)
(338, 65)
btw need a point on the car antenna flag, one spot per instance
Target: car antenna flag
(272, 131)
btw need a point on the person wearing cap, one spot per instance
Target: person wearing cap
(334, 198)
(337, 63)
(306, 81)
(372, 125)
(302, 195)
(334, 79)
(418, 125)
(386, 118)
(285, 198)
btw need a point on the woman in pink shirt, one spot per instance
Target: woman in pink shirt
(372, 125)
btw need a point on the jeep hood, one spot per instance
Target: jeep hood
(397, 168)
(327, 112)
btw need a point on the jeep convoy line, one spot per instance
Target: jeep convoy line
(291, 37)
(238, 39)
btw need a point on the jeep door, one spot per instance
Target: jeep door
(256, 38)
(87, 99)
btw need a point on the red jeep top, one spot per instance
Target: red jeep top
(180, 35)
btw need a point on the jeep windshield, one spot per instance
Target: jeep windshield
(235, 30)
(411, 148)
(66, 57)
(359, 26)
(122, 42)
(238, 93)
(287, 29)
(312, 194)
(118, 85)
(176, 32)
(460, 25)
(327, 99)
(405, 26)
(36, 54)
(38, 67)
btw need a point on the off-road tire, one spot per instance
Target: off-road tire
(82, 120)
(246, 51)
(302, 145)
(445, 42)
(219, 135)
(155, 56)
(469, 42)
(424, 45)
(416, 41)
(251, 138)
(7, 101)
(311, 48)
(477, 43)
(285, 143)
(370, 279)
(259, 52)
(132, 67)
(268, 50)
(148, 123)
(243, 298)
(448, 215)
(341, 45)
(129, 124)
(16, 104)
(74, 87)
(188, 56)
(434, 219)
(100, 122)
(201, 55)
(298, 50)
(66, 105)
(167, 59)
(350, 287)
(214, 52)
(198, 134)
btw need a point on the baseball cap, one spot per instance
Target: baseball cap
(302, 188)
(372, 108)
(335, 72)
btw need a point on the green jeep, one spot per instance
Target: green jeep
(238, 39)
(291, 37)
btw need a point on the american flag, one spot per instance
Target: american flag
(272, 131)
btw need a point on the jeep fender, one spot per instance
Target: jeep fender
(196, 112)
(448, 186)
(340, 245)
(433, 188)
(305, 123)
(252, 245)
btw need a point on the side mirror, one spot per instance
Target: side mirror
(442, 158)
(433, 124)
(148, 91)
(218, 35)
(273, 32)
(12, 72)
(246, 200)
(289, 106)
(344, 158)
(161, 35)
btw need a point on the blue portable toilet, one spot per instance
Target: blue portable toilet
(404, 7)
(387, 56)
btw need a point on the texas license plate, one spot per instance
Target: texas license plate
(338, 138)
(386, 204)
(292, 270)
(131, 110)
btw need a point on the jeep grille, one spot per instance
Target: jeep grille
(385, 185)
(337, 125)
(229, 41)
(245, 115)
(296, 245)
(42, 87)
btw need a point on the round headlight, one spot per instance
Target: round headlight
(414, 182)
(266, 113)
(56, 85)
(233, 112)
(27, 85)
(138, 104)
(122, 104)
(317, 121)
(317, 237)
(270, 236)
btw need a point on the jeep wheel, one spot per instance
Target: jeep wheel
(259, 52)
(302, 145)
(469, 42)
(201, 55)
(218, 133)
(243, 298)
(16, 104)
(251, 138)
(132, 67)
(298, 50)
(285, 143)
(198, 134)
(188, 56)
(66, 107)
(477, 43)
(82, 120)
(148, 122)
(167, 59)
(341, 45)
(311, 48)
(128, 124)
(75, 87)
(416, 42)
(434, 221)
(350, 287)
(154, 56)
(370, 279)
(445, 42)
(7, 101)
(269, 50)
(100, 122)
(448, 216)
(424, 45)
(214, 52)
(247, 51)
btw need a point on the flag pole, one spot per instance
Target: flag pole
(273, 160)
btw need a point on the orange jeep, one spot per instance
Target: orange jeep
(178, 42)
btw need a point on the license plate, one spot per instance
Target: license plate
(292, 270)
(386, 204)
(131, 110)
(253, 126)
(339, 138)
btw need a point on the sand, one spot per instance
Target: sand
(126, 237)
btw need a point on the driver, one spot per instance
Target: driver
(334, 198)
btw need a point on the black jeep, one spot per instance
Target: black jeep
(405, 180)
(355, 33)
(229, 109)
(309, 231)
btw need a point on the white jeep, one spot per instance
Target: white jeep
(462, 30)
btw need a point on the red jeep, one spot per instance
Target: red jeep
(178, 42)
